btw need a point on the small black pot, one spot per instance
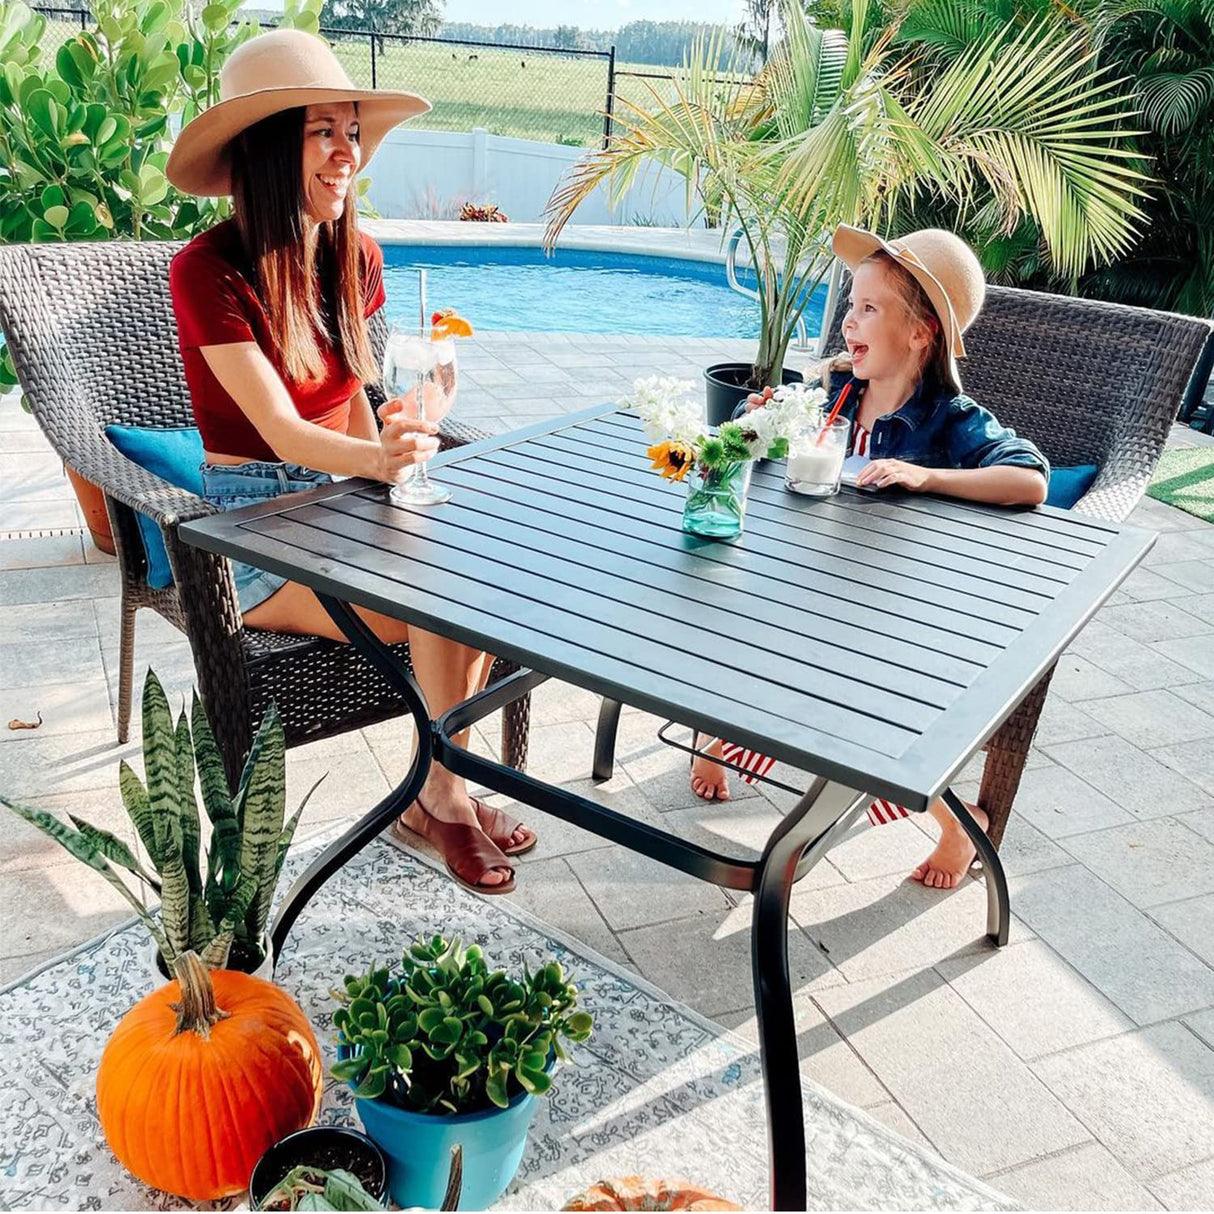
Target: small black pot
(322, 1146)
(729, 386)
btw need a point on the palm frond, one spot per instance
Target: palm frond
(1173, 102)
(1036, 114)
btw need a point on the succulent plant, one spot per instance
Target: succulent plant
(446, 1035)
(229, 904)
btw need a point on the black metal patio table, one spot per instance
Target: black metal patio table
(874, 640)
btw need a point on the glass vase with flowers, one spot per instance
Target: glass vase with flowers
(716, 464)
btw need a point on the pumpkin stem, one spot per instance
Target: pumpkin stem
(197, 1010)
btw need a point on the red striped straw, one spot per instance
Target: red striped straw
(834, 413)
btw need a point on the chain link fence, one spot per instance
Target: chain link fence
(528, 92)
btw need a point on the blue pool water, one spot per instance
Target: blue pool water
(574, 291)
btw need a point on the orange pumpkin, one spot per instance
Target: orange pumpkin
(202, 1076)
(636, 1193)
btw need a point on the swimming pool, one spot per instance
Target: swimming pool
(574, 291)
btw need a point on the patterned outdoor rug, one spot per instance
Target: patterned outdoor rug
(1185, 478)
(657, 1090)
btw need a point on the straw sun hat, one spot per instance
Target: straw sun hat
(940, 262)
(277, 71)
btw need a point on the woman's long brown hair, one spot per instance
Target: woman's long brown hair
(270, 208)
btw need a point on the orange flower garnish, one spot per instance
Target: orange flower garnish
(448, 323)
(672, 460)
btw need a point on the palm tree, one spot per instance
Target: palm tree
(844, 127)
(1164, 50)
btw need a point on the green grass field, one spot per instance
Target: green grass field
(552, 98)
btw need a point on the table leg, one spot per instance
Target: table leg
(341, 850)
(816, 815)
(998, 901)
(604, 739)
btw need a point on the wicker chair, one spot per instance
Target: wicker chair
(1089, 383)
(94, 340)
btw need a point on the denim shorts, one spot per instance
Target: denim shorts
(230, 486)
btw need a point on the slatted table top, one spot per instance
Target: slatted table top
(877, 640)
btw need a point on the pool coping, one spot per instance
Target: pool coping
(688, 244)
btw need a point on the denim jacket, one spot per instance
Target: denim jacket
(939, 429)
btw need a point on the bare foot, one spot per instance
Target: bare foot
(954, 852)
(709, 779)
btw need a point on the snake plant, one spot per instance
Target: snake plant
(227, 906)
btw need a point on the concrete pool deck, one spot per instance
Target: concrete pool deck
(1073, 1069)
(693, 244)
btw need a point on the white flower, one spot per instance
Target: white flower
(794, 411)
(666, 408)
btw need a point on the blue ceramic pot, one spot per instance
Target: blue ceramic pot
(418, 1147)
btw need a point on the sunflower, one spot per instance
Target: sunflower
(671, 459)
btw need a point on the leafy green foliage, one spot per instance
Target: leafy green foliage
(307, 1188)
(1010, 119)
(1159, 56)
(230, 903)
(446, 1035)
(85, 128)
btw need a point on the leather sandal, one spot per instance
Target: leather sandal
(467, 851)
(500, 827)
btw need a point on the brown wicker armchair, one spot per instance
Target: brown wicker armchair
(1089, 383)
(94, 341)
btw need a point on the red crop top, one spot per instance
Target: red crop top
(216, 305)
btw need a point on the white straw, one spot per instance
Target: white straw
(421, 289)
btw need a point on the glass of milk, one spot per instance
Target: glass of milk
(815, 462)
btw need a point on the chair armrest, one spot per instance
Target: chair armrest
(1123, 477)
(457, 434)
(98, 460)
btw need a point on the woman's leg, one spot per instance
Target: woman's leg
(446, 671)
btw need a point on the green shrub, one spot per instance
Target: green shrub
(86, 127)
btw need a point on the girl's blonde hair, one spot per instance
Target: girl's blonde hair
(936, 364)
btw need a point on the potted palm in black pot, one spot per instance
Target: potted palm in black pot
(847, 126)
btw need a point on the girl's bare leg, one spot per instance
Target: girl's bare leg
(954, 853)
(708, 779)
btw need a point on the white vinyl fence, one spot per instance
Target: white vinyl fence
(430, 174)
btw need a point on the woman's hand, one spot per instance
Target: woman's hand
(883, 473)
(404, 441)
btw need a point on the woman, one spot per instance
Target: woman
(272, 309)
(910, 302)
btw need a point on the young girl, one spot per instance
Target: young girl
(910, 302)
(272, 309)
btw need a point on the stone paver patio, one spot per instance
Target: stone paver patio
(1073, 1069)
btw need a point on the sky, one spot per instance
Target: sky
(592, 14)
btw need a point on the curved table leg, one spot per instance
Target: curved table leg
(341, 850)
(815, 817)
(604, 739)
(998, 901)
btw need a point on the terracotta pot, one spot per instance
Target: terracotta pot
(92, 502)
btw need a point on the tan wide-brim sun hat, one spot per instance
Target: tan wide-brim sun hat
(940, 262)
(277, 71)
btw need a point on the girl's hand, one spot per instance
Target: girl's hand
(882, 473)
(756, 400)
(404, 441)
